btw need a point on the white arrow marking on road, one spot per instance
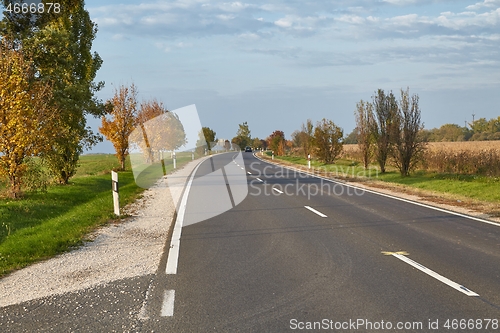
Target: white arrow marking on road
(315, 211)
(435, 275)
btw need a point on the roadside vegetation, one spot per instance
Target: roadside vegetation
(44, 224)
(47, 93)
(389, 148)
(456, 187)
(51, 195)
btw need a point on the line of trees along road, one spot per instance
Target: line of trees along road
(47, 59)
(386, 129)
(125, 122)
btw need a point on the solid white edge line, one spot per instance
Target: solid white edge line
(315, 211)
(390, 196)
(167, 308)
(435, 275)
(175, 243)
(275, 189)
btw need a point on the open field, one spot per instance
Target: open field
(478, 158)
(352, 149)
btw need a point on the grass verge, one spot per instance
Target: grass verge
(474, 192)
(42, 225)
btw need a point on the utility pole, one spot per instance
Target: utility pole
(473, 115)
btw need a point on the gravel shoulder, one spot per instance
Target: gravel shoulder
(130, 248)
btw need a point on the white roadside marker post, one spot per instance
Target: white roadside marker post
(309, 161)
(175, 164)
(116, 196)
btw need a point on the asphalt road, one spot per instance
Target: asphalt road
(271, 265)
(351, 261)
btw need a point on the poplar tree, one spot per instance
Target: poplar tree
(386, 109)
(408, 147)
(364, 121)
(26, 125)
(59, 44)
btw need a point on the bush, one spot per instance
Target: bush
(37, 177)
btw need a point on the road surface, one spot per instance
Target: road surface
(299, 252)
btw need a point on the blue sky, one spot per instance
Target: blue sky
(276, 64)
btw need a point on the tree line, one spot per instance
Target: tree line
(477, 130)
(387, 129)
(47, 89)
(325, 140)
(127, 125)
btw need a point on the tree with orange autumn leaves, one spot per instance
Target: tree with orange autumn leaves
(122, 109)
(26, 118)
(160, 130)
(157, 129)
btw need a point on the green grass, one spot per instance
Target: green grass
(467, 186)
(42, 225)
(98, 164)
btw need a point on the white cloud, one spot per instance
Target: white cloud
(225, 17)
(285, 22)
(351, 19)
(234, 6)
(400, 2)
(249, 36)
(484, 4)
(254, 22)
(404, 20)
(119, 37)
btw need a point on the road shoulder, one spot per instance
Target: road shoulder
(130, 248)
(471, 208)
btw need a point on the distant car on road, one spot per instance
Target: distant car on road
(248, 149)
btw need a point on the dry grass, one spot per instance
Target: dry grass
(466, 158)
(466, 145)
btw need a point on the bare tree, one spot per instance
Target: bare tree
(386, 109)
(307, 137)
(364, 121)
(407, 145)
